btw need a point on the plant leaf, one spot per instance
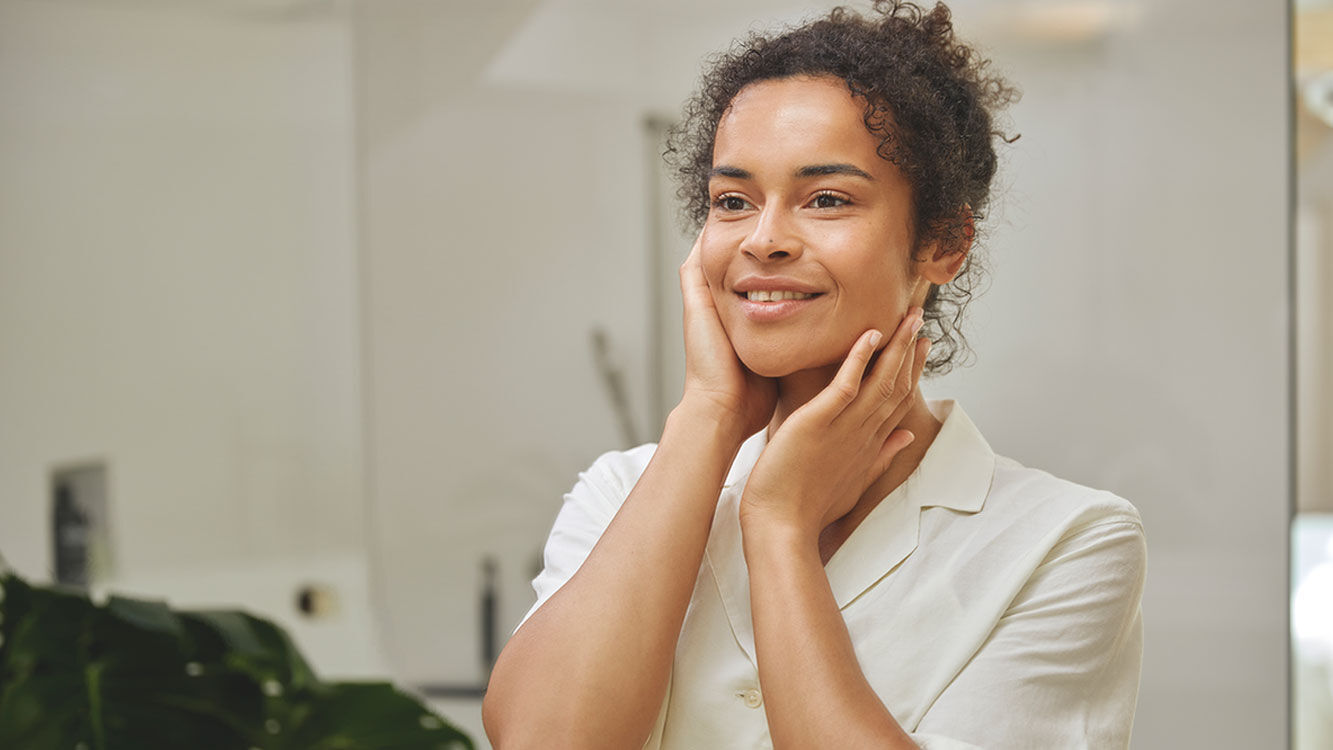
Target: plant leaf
(135, 675)
(155, 617)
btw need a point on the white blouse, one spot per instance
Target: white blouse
(990, 605)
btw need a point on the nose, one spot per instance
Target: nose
(773, 237)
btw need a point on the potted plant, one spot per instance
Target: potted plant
(132, 674)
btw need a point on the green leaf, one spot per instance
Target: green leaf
(135, 675)
(372, 716)
(234, 630)
(152, 616)
(293, 670)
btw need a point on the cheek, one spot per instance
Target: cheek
(878, 294)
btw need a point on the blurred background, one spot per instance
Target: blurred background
(1312, 524)
(317, 307)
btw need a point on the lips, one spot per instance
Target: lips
(766, 306)
(768, 299)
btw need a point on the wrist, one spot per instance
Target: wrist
(703, 418)
(763, 532)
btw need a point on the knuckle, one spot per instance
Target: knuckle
(890, 395)
(900, 388)
(886, 389)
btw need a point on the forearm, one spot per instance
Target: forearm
(589, 668)
(815, 693)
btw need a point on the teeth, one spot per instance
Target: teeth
(768, 296)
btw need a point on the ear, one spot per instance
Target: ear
(942, 258)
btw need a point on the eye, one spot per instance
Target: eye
(729, 202)
(829, 200)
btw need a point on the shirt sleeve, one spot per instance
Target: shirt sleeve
(1061, 667)
(587, 511)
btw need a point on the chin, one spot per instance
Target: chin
(780, 364)
(765, 370)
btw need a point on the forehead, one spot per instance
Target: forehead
(799, 120)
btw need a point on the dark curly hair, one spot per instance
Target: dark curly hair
(930, 99)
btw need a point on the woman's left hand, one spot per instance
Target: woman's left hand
(830, 450)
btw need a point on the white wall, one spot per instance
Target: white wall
(178, 297)
(1134, 338)
(501, 226)
(183, 194)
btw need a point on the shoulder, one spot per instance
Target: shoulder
(1046, 547)
(620, 470)
(1052, 513)
(587, 510)
(1022, 490)
(604, 485)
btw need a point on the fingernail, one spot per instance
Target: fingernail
(875, 337)
(916, 325)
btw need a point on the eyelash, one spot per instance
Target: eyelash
(720, 201)
(829, 194)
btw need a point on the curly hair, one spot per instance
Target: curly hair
(929, 98)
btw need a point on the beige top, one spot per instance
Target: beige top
(990, 605)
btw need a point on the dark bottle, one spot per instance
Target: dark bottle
(488, 641)
(70, 525)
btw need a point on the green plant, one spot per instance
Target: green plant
(137, 675)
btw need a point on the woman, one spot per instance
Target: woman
(813, 556)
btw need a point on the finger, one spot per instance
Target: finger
(693, 285)
(892, 406)
(904, 381)
(893, 444)
(894, 417)
(883, 382)
(847, 382)
(899, 351)
(694, 251)
(919, 365)
(690, 268)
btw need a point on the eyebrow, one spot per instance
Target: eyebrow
(819, 170)
(814, 170)
(735, 172)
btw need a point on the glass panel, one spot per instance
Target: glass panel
(1312, 527)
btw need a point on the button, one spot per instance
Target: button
(752, 697)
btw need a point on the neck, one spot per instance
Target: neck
(796, 389)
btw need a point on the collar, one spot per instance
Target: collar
(955, 473)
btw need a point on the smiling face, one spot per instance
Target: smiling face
(809, 240)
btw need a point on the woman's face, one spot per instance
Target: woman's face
(809, 241)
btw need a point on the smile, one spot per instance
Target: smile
(776, 296)
(773, 306)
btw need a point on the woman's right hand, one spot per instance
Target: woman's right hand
(608, 635)
(715, 378)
